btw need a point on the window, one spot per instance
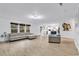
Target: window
(19, 28)
(14, 27)
(22, 27)
(27, 28)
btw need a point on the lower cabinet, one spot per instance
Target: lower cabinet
(54, 39)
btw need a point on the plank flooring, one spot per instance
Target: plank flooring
(39, 47)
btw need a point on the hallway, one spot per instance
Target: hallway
(39, 47)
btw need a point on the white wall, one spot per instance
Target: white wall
(71, 32)
(4, 27)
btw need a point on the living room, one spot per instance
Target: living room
(34, 21)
